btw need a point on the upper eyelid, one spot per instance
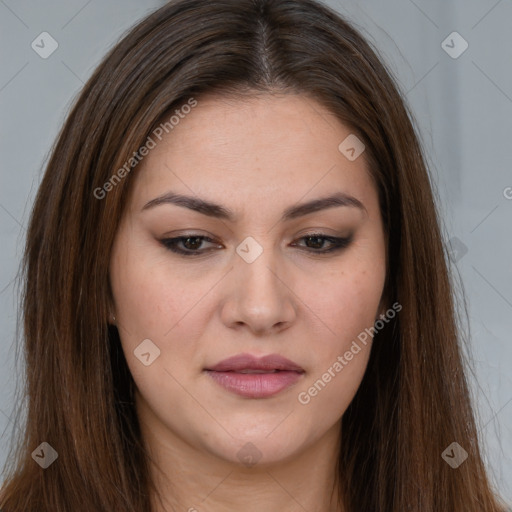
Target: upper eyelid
(310, 232)
(211, 239)
(345, 240)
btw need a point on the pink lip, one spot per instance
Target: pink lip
(228, 374)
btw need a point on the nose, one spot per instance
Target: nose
(259, 296)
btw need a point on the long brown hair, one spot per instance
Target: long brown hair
(413, 401)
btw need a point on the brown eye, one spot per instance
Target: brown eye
(192, 243)
(188, 245)
(315, 242)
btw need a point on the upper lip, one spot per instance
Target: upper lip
(249, 362)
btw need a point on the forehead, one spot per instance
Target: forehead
(253, 148)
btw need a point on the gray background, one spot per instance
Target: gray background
(463, 107)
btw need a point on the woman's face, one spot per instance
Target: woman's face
(268, 272)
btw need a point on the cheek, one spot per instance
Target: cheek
(347, 306)
(347, 309)
(149, 304)
(328, 395)
(153, 301)
(147, 299)
(346, 302)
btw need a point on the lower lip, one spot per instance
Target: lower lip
(255, 385)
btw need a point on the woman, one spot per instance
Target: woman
(189, 349)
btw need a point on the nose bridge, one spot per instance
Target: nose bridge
(257, 267)
(260, 298)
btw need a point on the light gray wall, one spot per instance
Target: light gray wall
(463, 107)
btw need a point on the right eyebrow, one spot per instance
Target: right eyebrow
(221, 212)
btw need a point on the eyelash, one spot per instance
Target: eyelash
(338, 244)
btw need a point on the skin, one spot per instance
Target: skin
(257, 157)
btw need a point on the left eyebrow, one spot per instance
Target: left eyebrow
(338, 199)
(216, 210)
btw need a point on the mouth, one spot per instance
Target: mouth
(247, 363)
(252, 377)
(257, 371)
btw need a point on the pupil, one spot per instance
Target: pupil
(318, 239)
(194, 246)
